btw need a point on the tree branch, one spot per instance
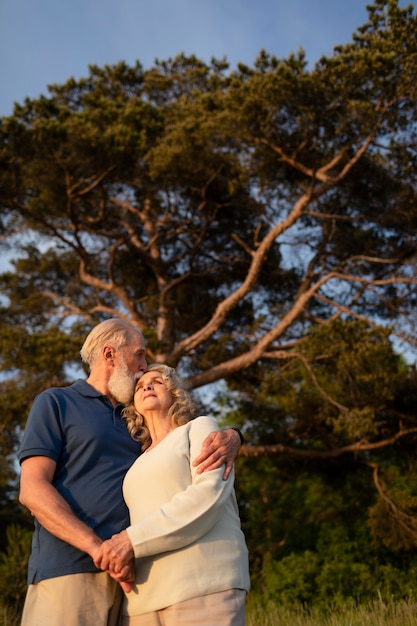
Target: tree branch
(220, 314)
(248, 450)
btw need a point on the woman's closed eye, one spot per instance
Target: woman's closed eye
(144, 385)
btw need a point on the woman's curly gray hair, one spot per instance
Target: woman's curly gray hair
(181, 411)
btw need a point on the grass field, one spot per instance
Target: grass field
(375, 614)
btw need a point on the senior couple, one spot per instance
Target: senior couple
(136, 521)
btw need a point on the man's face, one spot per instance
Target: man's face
(134, 354)
(129, 366)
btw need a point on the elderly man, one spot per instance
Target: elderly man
(74, 455)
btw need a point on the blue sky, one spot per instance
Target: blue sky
(48, 41)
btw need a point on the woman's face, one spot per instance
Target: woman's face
(151, 394)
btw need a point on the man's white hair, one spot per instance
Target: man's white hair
(115, 332)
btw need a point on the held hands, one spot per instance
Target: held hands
(116, 557)
(219, 448)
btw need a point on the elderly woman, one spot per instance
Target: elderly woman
(191, 555)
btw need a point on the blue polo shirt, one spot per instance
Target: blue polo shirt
(78, 427)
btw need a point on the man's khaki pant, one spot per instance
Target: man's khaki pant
(74, 600)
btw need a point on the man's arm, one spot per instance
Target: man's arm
(54, 513)
(219, 448)
(48, 506)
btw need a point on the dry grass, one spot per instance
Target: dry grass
(376, 614)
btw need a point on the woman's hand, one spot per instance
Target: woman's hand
(116, 557)
(126, 576)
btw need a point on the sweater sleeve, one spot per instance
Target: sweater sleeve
(189, 514)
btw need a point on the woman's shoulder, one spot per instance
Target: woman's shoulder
(204, 422)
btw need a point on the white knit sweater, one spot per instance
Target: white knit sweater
(185, 527)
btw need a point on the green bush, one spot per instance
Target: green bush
(335, 575)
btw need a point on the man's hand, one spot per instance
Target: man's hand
(218, 448)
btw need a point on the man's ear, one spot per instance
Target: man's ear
(108, 353)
